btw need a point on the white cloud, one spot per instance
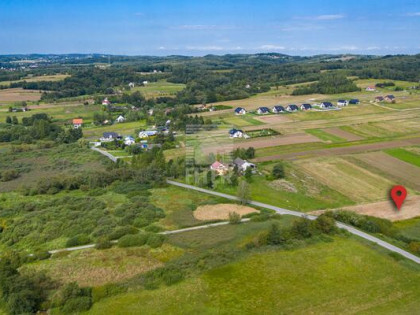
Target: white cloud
(329, 17)
(413, 14)
(139, 14)
(203, 27)
(205, 48)
(293, 28)
(271, 47)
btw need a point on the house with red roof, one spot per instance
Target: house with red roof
(77, 123)
(219, 168)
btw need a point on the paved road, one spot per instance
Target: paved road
(311, 217)
(107, 154)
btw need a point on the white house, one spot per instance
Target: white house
(236, 133)
(120, 119)
(305, 107)
(145, 82)
(77, 123)
(131, 85)
(371, 89)
(263, 111)
(240, 111)
(147, 133)
(278, 109)
(326, 105)
(129, 140)
(342, 103)
(243, 164)
(292, 108)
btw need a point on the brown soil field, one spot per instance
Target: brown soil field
(18, 94)
(262, 142)
(342, 134)
(342, 151)
(220, 211)
(386, 209)
(407, 173)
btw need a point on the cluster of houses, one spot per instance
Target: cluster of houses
(388, 98)
(128, 140)
(277, 109)
(222, 168)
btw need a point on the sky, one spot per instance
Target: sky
(195, 28)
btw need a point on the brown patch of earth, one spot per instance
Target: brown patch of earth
(386, 209)
(221, 211)
(342, 134)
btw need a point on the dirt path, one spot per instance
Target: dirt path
(342, 150)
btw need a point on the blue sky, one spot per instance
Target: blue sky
(186, 27)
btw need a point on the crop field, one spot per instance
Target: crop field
(353, 181)
(409, 155)
(266, 282)
(9, 96)
(397, 169)
(324, 135)
(338, 132)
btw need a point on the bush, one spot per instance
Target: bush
(326, 224)
(278, 171)
(122, 231)
(42, 255)
(9, 175)
(103, 244)
(155, 240)
(77, 304)
(133, 240)
(234, 218)
(107, 290)
(81, 239)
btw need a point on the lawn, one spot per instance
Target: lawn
(344, 276)
(404, 155)
(159, 89)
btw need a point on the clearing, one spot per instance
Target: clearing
(221, 211)
(17, 95)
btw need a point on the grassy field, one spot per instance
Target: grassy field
(325, 136)
(159, 89)
(266, 283)
(404, 155)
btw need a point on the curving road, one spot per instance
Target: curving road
(279, 210)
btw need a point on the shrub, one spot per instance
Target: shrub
(9, 175)
(234, 218)
(303, 228)
(42, 255)
(81, 239)
(278, 171)
(121, 231)
(133, 240)
(77, 304)
(326, 224)
(155, 240)
(103, 244)
(107, 290)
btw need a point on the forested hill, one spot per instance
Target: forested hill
(208, 79)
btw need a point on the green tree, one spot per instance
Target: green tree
(15, 120)
(248, 173)
(234, 218)
(8, 120)
(243, 192)
(278, 171)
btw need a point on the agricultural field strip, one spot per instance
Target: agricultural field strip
(342, 150)
(311, 217)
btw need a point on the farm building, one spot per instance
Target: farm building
(379, 99)
(120, 119)
(263, 110)
(390, 98)
(292, 108)
(371, 89)
(240, 111)
(305, 107)
(354, 101)
(77, 123)
(236, 133)
(242, 165)
(326, 105)
(147, 133)
(219, 168)
(278, 109)
(342, 103)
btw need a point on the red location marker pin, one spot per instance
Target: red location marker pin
(398, 194)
